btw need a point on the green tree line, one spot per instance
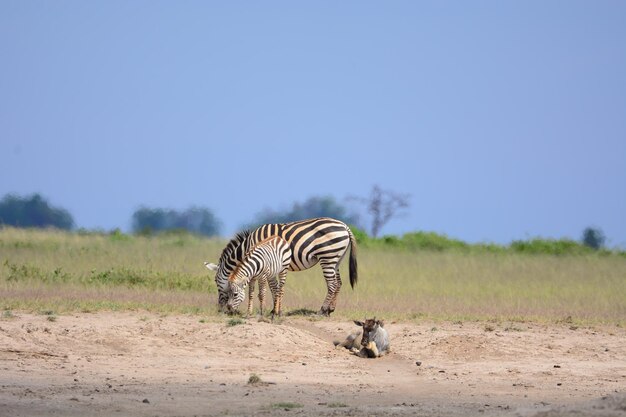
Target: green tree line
(33, 211)
(36, 211)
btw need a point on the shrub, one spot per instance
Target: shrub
(549, 247)
(432, 241)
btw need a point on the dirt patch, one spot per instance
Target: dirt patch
(141, 364)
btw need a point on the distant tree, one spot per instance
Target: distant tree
(312, 207)
(383, 205)
(151, 220)
(195, 219)
(593, 238)
(33, 211)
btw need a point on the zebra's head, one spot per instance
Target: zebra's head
(232, 254)
(236, 294)
(221, 281)
(370, 328)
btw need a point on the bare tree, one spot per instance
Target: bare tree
(383, 205)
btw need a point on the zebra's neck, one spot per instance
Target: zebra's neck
(245, 271)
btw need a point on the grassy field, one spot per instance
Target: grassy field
(62, 272)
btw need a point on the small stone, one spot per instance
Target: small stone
(418, 363)
(145, 401)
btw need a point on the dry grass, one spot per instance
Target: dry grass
(459, 286)
(58, 271)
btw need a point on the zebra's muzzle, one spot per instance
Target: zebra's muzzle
(231, 310)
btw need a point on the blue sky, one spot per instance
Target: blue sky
(502, 120)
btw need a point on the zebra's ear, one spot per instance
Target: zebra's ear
(358, 323)
(380, 323)
(210, 266)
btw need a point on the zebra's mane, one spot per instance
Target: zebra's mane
(234, 243)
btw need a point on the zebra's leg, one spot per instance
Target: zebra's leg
(282, 275)
(250, 296)
(262, 285)
(333, 283)
(273, 283)
(333, 302)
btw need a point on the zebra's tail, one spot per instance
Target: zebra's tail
(353, 267)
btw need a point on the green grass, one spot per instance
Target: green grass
(47, 270)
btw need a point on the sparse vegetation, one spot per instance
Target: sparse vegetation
(287, 405)
(435, 278)
(234, 322)
(337, 405)
(254, 379)
(301, 312)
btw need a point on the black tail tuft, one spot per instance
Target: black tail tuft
(354, 276)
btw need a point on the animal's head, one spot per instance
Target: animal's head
(232, 254)
(370, 327)
(236, 294)
(221, 281)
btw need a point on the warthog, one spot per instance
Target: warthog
(370, 342)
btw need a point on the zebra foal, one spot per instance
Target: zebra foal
(262, 284)
(265, 262)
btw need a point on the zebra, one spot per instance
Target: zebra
(268, 260)
(262, 283)
(321, 240)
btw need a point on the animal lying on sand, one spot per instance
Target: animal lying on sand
(370, 342)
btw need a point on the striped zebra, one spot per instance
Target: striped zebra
(262, 283)
(267, 261)
(321, 240)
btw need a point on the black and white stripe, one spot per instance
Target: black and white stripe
(321, 240)
(268, 260)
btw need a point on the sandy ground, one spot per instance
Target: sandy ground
(141, 364)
